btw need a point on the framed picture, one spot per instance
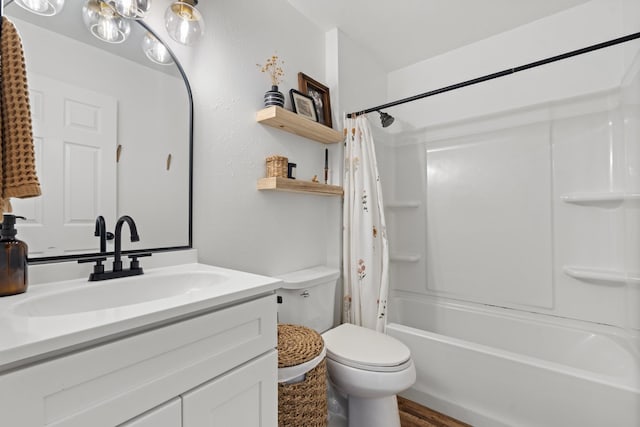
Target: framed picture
(303, 105)
(320, 95)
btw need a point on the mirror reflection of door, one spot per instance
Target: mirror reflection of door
(75, 133)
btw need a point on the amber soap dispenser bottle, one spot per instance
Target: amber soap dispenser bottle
(13, 259)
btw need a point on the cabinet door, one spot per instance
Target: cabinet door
(246, 396)
(167, 415)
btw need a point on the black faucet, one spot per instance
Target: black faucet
(98, 269)
(117, 263)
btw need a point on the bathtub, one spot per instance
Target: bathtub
(497, 367)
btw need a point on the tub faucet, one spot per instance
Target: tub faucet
(117, 254)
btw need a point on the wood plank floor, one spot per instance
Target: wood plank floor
(415, 415)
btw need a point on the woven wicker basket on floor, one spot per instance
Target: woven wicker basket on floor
(302, 404)
(277, 166)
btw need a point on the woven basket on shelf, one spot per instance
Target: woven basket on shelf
(277, 166)
(303, 403)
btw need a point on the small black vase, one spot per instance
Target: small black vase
(273, 97)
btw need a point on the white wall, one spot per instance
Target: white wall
(234, 224)
(590, 23)
(363, 81)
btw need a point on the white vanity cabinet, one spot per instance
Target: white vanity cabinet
(217, 368)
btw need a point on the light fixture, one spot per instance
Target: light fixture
(155, 50)
(41, 7)
(110, 21)
(184, 22)
(131, 9)
(104, 23)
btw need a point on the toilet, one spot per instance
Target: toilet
(369, 367)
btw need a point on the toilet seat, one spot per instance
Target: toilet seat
(366, 349)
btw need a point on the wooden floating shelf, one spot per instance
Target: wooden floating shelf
(280, 118)
(298, 186)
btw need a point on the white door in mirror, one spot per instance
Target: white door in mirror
(79, 131)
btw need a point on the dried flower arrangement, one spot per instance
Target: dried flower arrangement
(273, 66)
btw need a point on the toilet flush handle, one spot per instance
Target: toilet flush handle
(305, 294)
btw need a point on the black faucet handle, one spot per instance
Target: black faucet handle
(135, 264)
(98, 268)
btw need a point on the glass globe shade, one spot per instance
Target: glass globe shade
(132, 9)
(155, 50)
(184, 23)
(41, 7)
(103, 22)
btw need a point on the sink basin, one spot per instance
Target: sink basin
(123, 292)
(56, 317)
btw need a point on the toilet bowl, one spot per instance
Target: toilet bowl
(369, 367)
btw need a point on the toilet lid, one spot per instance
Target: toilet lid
(364, 348)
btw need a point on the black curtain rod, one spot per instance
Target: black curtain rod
(503, 73)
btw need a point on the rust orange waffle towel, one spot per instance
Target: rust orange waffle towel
(17, 163)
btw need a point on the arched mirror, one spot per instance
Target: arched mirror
(113, 133)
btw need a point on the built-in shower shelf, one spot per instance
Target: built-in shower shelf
(405, 257)
(403, 204)
(299, 186)
(288, 121)
(600, 275)
(599, 198)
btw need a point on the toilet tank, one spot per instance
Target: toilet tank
(307, 297)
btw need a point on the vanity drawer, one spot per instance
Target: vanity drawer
(112, 383)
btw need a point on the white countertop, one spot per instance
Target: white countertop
(31, 330)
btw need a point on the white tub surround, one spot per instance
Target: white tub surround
(514, 232)
(77, 353)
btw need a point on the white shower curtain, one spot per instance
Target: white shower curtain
(365, 248)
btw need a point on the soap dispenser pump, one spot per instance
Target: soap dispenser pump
(13, 259)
